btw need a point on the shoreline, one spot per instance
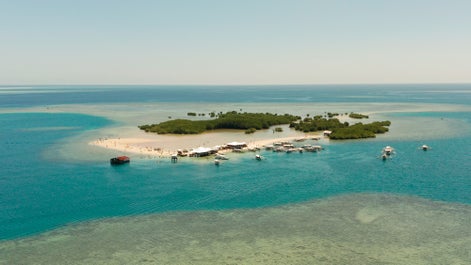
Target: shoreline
(167, 145)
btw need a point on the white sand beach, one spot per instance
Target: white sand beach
(166, 145)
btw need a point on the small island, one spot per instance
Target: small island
(251, 122)
(357, 116)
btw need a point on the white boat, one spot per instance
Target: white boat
(425, 147)
(217, 162)
(253, 149)
(269, 147)
(278, 149)
(313, 148)
(317, 147)
(388, 150)
(258, 157)
(290, 150)
(221, 157)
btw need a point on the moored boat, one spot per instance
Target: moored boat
(278, 149)
(119, 160)
(290, 150)
(425, 147)
(221, 157)
(269, 147)
(312, 148)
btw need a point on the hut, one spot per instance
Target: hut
(327, 133)
(236, 145)
(174, 158)
(201, 151)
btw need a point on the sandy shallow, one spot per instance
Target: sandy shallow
(349, 229)
(123, 137)
(165, 146)
(128, 139)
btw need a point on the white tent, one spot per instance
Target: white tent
(202, 151)
(236, 144)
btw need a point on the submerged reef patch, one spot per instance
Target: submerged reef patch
(348, 229)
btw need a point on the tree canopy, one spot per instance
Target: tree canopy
(341, 131)
(229, 120)
(250, 122)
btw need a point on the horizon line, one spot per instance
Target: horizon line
(222, 84)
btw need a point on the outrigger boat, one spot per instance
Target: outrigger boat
(388, 150)
(312, 148)
(221, 157)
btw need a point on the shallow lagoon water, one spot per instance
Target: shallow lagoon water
(354, 204)
(353, 229)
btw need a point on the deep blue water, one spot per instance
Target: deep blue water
(38, 193)
(50, 95)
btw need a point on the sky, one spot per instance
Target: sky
(234, 41)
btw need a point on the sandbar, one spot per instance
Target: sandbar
(155, 145)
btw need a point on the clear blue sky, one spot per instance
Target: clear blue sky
(234, 42)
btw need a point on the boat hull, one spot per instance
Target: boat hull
(119, 160)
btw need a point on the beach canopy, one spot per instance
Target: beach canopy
(201, 150)
(236, 144)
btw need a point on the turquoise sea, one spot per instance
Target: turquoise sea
(62, 203)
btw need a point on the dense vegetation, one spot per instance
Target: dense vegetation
(229, 120)
(331, 115)
(318, 123)
(194, 114)
(251, 122)
(250, 130)
(341, 131)
(360, 130)
(357, 116)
